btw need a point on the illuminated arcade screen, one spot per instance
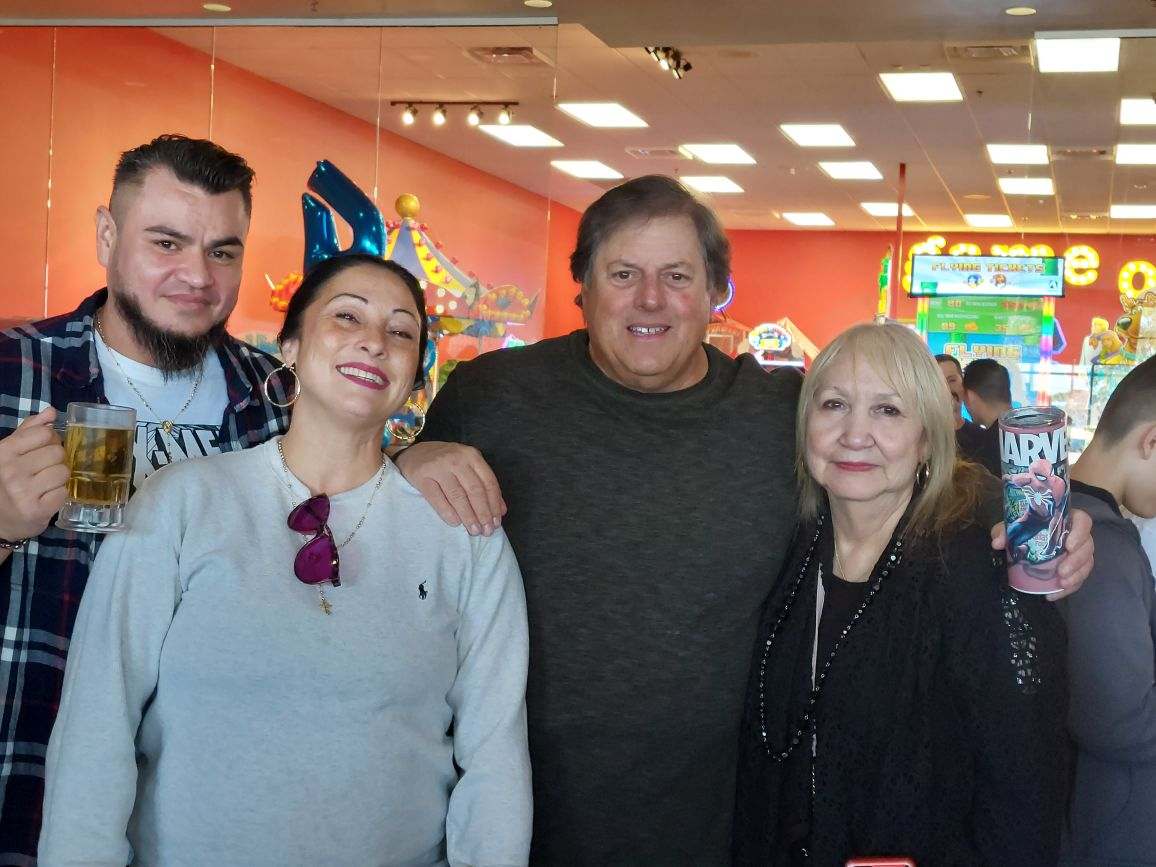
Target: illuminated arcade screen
(1037, 276)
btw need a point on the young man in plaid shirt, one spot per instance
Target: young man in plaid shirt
(171, 241)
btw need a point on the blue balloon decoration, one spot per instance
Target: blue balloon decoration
(351, 204)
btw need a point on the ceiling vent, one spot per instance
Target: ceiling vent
(1082, 154)
(668, 153)
(521, 55)
(1006, 52)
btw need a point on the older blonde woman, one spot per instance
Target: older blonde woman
(903, 700)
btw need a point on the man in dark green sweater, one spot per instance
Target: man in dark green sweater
(650, 483)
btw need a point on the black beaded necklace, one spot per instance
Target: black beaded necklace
(806, 721)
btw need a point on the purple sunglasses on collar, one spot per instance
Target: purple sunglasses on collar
(317, 561)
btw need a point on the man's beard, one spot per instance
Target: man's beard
(171, 353)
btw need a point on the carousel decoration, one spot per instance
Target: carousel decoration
(458, 303)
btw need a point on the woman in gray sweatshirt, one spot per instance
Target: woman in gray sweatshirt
(264, 675)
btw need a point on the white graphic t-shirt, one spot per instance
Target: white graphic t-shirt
(194, 432)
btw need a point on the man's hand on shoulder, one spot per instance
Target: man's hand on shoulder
(456, 480)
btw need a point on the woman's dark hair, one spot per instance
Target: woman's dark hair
(643, 199)
(196, 161)
(326, 270)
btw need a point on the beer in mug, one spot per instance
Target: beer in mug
(98, 443)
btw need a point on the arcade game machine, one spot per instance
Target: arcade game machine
(1000, 307)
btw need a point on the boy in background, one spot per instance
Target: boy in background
(1112, 639)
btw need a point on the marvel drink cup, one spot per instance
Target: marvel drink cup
(1033, 444)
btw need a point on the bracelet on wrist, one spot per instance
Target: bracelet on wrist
(14, 545)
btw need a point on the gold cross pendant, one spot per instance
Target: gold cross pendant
(167, 426)
(324, 603)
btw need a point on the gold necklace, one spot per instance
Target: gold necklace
(166, 424)
(839, 564)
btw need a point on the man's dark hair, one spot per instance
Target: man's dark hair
(1131, 404)
(989, 379)
(943, 356)
(195, 161)
(645, 199)
(325, 270)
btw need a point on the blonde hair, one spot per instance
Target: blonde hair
(901, 359)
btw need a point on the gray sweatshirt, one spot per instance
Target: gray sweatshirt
(213, 714)
(1112, 666)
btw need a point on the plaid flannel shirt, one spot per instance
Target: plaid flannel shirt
(54, 362)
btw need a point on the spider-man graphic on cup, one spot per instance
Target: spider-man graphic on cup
(1045, 498)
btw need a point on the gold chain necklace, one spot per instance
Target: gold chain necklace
(324, 602)
(166, 424)
(839, 564)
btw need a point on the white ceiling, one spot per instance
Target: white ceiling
(755, 66)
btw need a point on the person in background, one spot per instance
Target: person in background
(987, 394)
(1112, 639)
(172, 241)
(369, 711)
(968, 435)
(903, 699)
(1147, 530)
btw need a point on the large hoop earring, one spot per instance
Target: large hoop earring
(296, 386)
(419, 418)
(922, 474)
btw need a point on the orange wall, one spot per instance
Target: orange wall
(562, 314)
(114, 88)
(825, 281)
(117, 87)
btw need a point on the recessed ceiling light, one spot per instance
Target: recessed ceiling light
(587, 169)
(817, 135)
(1019, 10)
(808, 218)
(1018, 154)
(1136, 154)
(988, 221)
(921, 86)
(1027, 186)
(711, 183)
(520, 135)
(1138, 112)
(538, 4)
(216, 7)
(1101, 54)
(851, 170)
(718, 154)
(977, 196)
(1133, 212)
(886, 209)
(609, 115)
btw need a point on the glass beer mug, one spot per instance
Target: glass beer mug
(98, 441)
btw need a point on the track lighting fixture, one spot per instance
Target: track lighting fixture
(669, 60)
(439, 116)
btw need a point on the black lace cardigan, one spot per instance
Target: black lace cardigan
(940, 729)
